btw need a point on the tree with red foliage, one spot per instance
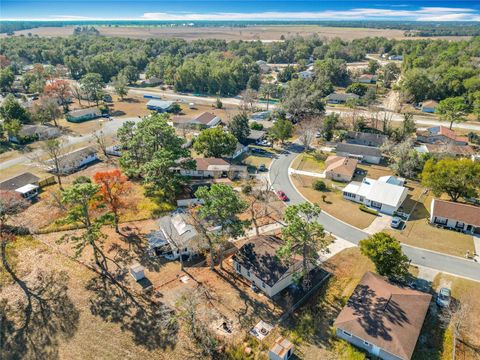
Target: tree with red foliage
(114, 187)
(59, 89)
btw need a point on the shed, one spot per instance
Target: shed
(137, 271)
(281, 350)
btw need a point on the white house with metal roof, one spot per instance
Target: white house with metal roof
(381, 195)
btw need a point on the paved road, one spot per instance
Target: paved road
(450, 264)
(108, 128)
(419, 119)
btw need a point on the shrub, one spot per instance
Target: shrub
(320, 156)
(247, 189)
(320, 185)
(368, 210)
(256, 126)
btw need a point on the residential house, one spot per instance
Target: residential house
(30, 133)
(73, 161)
(215, 168)
(255, 136)
(177, 237)
(264, 67)
(240, 149)
(207, 119)
(455, 216)
(367, 79)
(368, 154)
(340, 168)
(25, 184)
(81, 115)
(429, 106)
(282, 349)
(307, 74)
(261, 115)
(257, 262)
(441, 135)
(367, 139)
(380, 194)
(160, 106)
(383, 319)
(204, 120)
(446, 149)
(341, 98)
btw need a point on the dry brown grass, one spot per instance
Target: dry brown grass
(307, 162)
(334, 203)
(270, 32)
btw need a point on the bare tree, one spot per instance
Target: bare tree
(249, 100)
(54, 149)
(306, 132)
(77, 93)
(261, 205)
(101, 141)
(457, 317)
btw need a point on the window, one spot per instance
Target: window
(239, 268)
(248, 273)
(376, 204)
(366, 343)
(460, 225)
(200, 172)
(349, 195)
(263, 284)
(440, 221)
(347, 333)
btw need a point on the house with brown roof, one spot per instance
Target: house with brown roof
(204, 120)
(257, 262)
(455, 216)
(429, 106)
(340, 168)
(215, 168)
(382, 318)
(446, 149)
(441, 135)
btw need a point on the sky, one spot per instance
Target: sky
(196, 10)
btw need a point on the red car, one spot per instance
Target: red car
(282, 196)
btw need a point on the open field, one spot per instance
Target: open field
(270, 32)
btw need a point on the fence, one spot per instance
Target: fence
(300, 302)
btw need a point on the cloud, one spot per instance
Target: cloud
(421, 14)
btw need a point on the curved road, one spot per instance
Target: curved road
(445, 263)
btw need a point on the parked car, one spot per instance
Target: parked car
(282, 196)
(396, 222)
(444, 297)
(262, 167)
(264, 143)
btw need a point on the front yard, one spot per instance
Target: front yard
(334, 203)
(308, 162)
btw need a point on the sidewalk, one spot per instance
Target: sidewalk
(335, 247)
(306, 173)
(476, 244)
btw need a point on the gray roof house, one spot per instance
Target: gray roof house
(159, 105)
(257, 261)
(176, 237)
(367, 139)
(34, 132)
(25, 184)
(368, 154)
(74, 160)
(341, 98)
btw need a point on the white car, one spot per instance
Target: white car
(396, 222)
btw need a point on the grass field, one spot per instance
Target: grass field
(270, 32)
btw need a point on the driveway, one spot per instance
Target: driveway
(280, 180)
